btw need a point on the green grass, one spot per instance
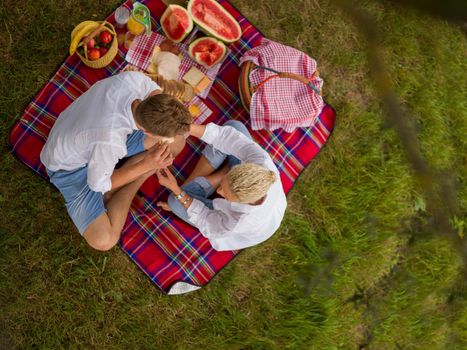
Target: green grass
(352, 264)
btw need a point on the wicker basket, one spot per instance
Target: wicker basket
(110, 54)
(246, 89)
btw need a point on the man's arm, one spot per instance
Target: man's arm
(103, 177)
(123, 176)
(159, 156)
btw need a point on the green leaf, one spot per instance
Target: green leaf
(420, 204)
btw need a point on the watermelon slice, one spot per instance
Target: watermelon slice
(215, 20)
(176, 23)
(207, 51)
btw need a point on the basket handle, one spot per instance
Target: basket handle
(293, 76)
(99, 29)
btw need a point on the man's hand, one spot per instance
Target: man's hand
(167, 179)
(158, 156)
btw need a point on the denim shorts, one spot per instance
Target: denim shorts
(198, 188)
(83, 204)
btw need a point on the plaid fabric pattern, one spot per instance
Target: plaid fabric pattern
(140, 53)
(205, 111)
(164, 247)
(282, 103)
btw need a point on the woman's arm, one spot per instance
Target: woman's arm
(231, 141)
(210, 222)
(197, 130)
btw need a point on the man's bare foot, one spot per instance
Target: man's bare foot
(164, 206)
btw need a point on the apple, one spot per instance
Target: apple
(91, 43)
(103, 51)
(94, 54)
(105, 37)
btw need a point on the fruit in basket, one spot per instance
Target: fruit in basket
(214, 20)
(207, 51)
(176, 23)
(94, 54)
(80, 31)
(105, 37)
(91, 43)
(82, 25)
(93, 49)
(103, 50)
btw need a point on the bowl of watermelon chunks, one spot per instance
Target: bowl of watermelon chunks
(207, 51)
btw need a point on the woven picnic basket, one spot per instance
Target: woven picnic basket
(110, 54)
(246, 88)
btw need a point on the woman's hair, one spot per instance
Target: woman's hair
(250, 182)
(163, 115)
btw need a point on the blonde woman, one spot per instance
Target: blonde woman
(253, 200)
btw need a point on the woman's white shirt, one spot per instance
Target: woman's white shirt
(232, 225)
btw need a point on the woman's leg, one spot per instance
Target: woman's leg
(203, 168)
(196, 191)
(232, 160)
(212, 159)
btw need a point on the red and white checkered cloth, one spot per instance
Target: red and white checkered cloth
(140, 53)
(281, 102)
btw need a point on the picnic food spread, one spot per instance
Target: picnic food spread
(185, 62)
(199, 55)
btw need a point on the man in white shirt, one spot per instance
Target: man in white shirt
(125, 115)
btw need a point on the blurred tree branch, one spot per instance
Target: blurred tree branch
(453, 10)
(438, 191)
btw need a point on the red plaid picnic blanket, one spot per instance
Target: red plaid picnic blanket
(282, 103)
(167, 249)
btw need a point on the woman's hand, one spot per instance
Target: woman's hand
(167, 179)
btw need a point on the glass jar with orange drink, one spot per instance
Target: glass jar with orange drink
(138, 23)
